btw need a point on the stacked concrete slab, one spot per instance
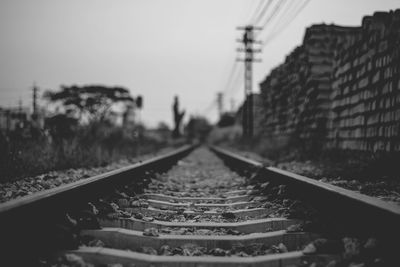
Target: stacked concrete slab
(365, 112)
(339, 89)
(280, 93)
(297, 93)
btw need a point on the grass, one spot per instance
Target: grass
(21, 157)
(348, 164)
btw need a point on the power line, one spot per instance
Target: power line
(296, 13)
(263, 12)
(233, 83)
(254, 11)
(237, 82)
(274, 12)
(284, 14)
(235, 71)
(237, 75)
(231, 76)
(286, 9)
(285, 24)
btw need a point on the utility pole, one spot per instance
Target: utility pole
(220, 102)
(35, 90)
(248, 110)
(139, 105)
(20, 105)
(8, 121)
(232, 105)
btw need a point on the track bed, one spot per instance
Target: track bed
(201, 213)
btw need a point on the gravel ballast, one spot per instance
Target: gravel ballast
(382, 187)
(30, 185)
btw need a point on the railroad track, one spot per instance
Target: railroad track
(199, 212)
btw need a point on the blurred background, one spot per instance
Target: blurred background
(86, 83)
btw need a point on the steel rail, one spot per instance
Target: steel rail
(89, 187)
(24, 220)
(354, 212)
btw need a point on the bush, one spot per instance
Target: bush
(90, 146)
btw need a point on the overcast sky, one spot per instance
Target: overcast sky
(156, 48)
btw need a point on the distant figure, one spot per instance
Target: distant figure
(178, 116)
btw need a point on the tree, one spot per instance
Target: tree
(198, 128)
(227, 119)
(61, 126)
(139, 102)
(162, 126)
(92, 102)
